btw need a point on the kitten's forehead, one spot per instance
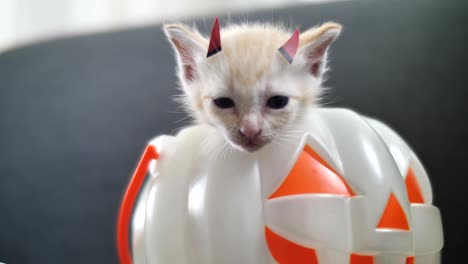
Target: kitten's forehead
(251, 52)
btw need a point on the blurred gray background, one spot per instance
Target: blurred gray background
(76, 113)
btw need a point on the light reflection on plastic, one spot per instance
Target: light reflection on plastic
(196, 197)
(373, 157)
(138, 218)
(153, 166)
(151, 200)
(399, 158)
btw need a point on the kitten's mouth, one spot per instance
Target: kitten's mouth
(246, 144)
(251, 146)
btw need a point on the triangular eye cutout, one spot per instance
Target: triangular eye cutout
(215, 40)
(413, 188)
(289, 49)
(393, 216)
(311, 174)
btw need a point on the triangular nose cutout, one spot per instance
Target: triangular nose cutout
(393, 216)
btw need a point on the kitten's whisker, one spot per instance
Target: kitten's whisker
(288, 137)
(228, 150)
(284, 140)
(177, 129)
(275, 144)
(214, 152)
(226, 153)
(219, 153)
(291, 134)
(182, 119)
(205, 144)
(321, 100)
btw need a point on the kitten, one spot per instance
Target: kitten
(248, 91)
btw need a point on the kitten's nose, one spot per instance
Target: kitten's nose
(250, 132)
(250, 125)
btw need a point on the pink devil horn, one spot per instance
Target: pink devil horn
(289, 49)
(215, 40)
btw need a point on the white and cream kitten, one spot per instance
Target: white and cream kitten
(248, 91)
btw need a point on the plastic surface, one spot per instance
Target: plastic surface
(128, 202)
(336, 194)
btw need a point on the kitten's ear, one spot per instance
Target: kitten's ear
(314, 45)
(189, 45)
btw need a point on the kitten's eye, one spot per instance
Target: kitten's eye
(277, 101)
(223, 102)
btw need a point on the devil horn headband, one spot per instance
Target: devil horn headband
(215, 40)
(289, 49)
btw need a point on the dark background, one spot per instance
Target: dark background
(76, 113)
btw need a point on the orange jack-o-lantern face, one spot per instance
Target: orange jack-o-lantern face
(393, 216)
(413, 188)
(311, 174)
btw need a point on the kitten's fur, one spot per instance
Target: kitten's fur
(249, 70)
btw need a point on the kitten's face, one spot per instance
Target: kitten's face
(255, 100)
(249, 91)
